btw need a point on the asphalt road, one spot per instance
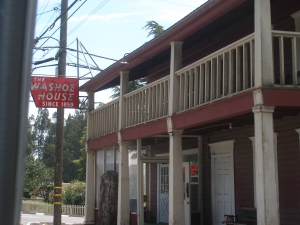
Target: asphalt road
(26, 219)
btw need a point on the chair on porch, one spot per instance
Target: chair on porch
(246, 216)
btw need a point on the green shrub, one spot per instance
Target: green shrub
(74, 193)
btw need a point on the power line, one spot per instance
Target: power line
(54, 9)
(88, 16)
(53, 24)
(42, 11)
(55, 13)
(60, 26)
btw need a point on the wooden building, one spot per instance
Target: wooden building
(222, 103)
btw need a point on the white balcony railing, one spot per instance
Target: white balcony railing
(104, 120)
(286, 47)
(223, 73)
(147, 103)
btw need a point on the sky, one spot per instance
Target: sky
(108, 28)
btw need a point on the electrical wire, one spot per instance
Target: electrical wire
(54, 9)
(59, 27)
(46, 25)
(42, 11)
(88, 16)
(53, 24)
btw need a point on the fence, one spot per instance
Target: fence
(41, 207)
(223, 73)
(105, 119)
(147, 103)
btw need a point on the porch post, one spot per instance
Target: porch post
(89, 211)
(89, 208)
(124, 77)
(264, 75)
(140, 186)
(200, 177)
(123, 184)
(148, 206)
(266, 170)
(176, 201)
(176, 64)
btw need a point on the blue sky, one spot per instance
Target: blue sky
(109, 28)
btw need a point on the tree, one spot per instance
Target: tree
(41, 127)
(73, 132)
(38, 180)
(81, 162)
(154, 28)
(133, 85)
(30, 148)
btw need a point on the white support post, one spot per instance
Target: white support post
(91, 107)
(89, 215)
(104, 160)
(176, 64)
(123, 188)
(266, 169)
(254, 165)
(124, 78)
(115, 157)
(176, 201)
(140, 186)
(89, 212)
(200, 177)
(264, 75)
(148, 206)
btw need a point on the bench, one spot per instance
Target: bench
(246, 216)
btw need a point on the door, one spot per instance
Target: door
(163, 190)
(186, 192)
(164, 193)
(223, 189)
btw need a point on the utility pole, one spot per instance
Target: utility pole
(60, 118)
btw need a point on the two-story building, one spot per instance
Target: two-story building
(219, 117)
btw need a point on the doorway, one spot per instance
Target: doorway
(163, 192)
(222, 180)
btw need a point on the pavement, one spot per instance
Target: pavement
(35, 218)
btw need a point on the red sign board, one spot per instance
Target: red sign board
(55, 92)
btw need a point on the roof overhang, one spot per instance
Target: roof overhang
(199, 18)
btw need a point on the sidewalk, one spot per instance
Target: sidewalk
(46, 219)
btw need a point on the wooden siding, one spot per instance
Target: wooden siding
(288, 170)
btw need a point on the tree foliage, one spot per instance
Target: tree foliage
(154, 28)
(81, 161)
(38, 180)
(42, 137)
(132, 85)
(74, 193)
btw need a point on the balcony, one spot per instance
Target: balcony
(222, 74)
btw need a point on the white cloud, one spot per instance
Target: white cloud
(106, 17)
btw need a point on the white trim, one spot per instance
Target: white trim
(222, 149)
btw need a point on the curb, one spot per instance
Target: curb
(51, 223)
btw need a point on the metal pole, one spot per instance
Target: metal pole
(16, 42)
(60, 119)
